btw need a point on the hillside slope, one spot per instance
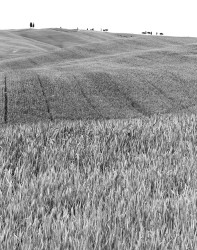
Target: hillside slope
(69, 74)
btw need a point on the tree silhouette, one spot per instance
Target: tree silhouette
(31, 25)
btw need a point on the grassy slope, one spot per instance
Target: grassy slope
(96, 75)
(96, 185)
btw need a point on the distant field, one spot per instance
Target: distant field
(64, 74)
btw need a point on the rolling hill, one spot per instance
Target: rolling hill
(68, 74)
(121, 183)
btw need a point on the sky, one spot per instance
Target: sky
(171, 17)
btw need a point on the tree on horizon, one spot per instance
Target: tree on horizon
(31, 25)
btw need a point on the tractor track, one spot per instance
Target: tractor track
(87, 99)
(115, 90)
(45, 99)
(131, 102)
(173, 102)
(161, 92)
(33, 62)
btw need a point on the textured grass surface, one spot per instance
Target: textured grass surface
(118, 184)
(95, 75)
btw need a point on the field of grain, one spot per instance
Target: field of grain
(69, 74)
(98, 144)
(118, 184)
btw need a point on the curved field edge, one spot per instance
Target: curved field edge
(121, 184)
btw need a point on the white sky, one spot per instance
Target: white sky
(172, 17)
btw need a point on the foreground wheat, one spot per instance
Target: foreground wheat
(96, 185)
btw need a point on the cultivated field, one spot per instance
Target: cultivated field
(126, 184)
(86, 160)
(65, 74)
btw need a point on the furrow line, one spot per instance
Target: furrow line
(46, 100)
(87, 99)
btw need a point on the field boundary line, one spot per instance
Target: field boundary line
(46, 100)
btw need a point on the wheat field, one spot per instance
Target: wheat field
(118, 184)
(98, 145)
(57, 74)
